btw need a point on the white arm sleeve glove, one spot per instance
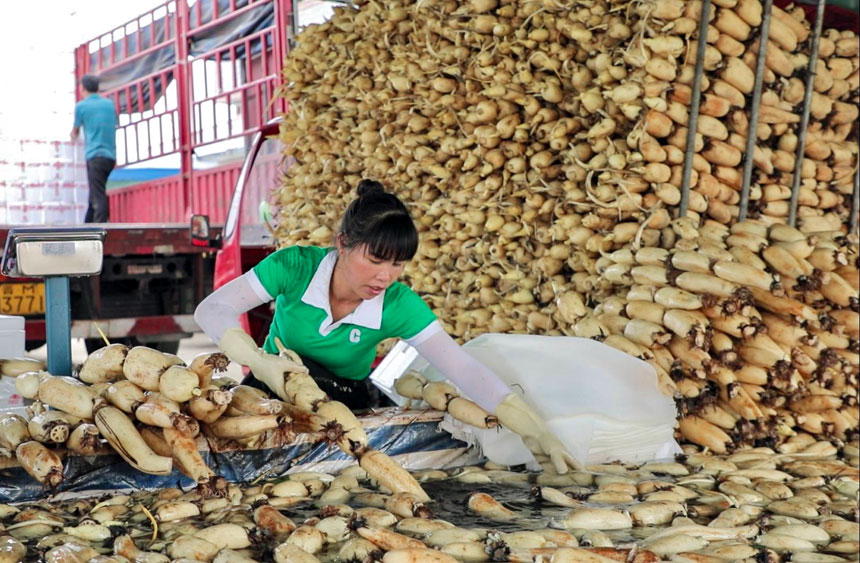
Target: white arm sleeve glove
(221, 309)
(478, 382)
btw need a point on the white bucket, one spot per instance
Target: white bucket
(11, 346)
(11, 336)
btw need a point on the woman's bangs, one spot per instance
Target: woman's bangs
(394, 238)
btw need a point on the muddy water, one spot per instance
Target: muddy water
(450, 504)
(832, 494)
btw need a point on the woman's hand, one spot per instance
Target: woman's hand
(516, 415)
(558, 454)
(268, 368)
(273, 371)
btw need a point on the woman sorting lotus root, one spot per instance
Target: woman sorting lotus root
(333, 306)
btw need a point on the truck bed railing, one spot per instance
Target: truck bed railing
(187, 74)
(163, 200)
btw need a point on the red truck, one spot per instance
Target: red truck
(185, 80)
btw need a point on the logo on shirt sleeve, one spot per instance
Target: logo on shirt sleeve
(354, 336)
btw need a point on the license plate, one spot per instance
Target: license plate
(22, 298)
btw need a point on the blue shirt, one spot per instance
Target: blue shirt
(96, 115)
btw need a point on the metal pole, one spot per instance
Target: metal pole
(184, 105)
(293, 15)
(752, 132)
(58, 321)
(855, 202)
(804, 118)
(694, 107)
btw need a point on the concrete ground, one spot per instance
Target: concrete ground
(188, 348)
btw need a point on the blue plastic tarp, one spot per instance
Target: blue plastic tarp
(412, 437)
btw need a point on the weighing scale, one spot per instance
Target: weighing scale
(55, 254)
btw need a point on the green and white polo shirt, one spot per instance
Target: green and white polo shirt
(298, 279)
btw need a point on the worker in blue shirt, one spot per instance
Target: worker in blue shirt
(98, 118)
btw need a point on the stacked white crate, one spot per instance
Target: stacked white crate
(42, 182)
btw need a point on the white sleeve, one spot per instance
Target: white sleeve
(221, 309)
(477, 382)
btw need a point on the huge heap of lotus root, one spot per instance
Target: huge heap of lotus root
(540, 148)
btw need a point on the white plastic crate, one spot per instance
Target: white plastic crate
(15, 212)
(61, 213)
(69, 152)
(25, 213)
(44, 171)
(9, 171)
(79, 212)
(52, 192)
(14, 192)
(81, 193)
(37, 150)
(79, 173)
(9, 147)
(42, 181)
(34, 192)
(54, 213)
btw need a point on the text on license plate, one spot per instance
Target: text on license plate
(22, 298)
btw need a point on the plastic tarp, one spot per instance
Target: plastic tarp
(125, 73)
(232, 29)
(412, 437)
(603, 404)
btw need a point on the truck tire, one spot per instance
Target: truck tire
(166, 346)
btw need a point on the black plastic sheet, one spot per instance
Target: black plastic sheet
(232, 29)
(412, 436)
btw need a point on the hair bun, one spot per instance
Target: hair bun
(369, 188)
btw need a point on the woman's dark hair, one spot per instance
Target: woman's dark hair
(379, 220)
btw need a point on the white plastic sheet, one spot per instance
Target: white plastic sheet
(603, 404)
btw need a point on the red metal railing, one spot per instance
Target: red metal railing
(246, 82)
(242, 73)
(212, 190)
(163, 200)
(148, 106)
